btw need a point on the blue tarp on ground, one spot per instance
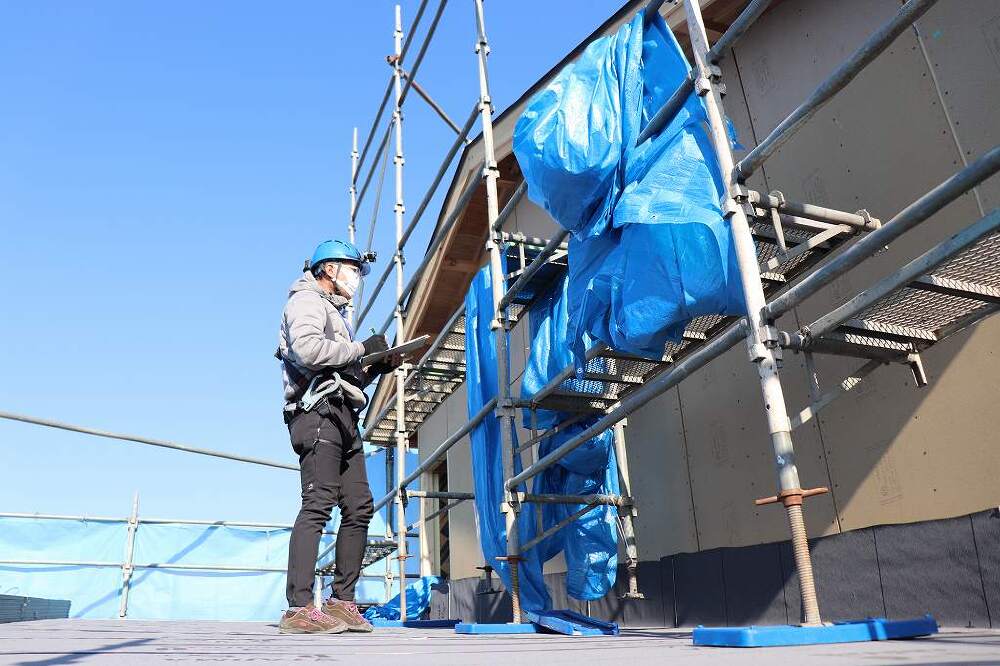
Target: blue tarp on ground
(649, 249)
(418, 600)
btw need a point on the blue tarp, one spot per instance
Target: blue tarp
(94, 591)
(487, 460)
(649, 249)
(590, 543)
(418, 600)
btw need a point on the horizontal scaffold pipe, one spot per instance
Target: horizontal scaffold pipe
(143, 440)
(440, 494)
(511, 204)
(438, 453)
(443, 510)
(163, 565)
(651, 9)
(669, 109)
(813, 212)
(736, 29)
(596, 499)
(565, 522)
(836, 82)
(914, 214)
(442, 169)
(566, 373)
(642, 395)
(531, 269)
(905, 275)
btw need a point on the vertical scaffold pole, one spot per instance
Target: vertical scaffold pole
(762, 343)
(425, 552)
(627, 513)
(353, 193)
(501, 323)
(127, 568)
(389, 506)
(401, 443)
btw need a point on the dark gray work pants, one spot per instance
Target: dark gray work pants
(333, 474)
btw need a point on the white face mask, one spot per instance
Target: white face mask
(348, 280)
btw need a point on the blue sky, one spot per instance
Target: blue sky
(164, 170)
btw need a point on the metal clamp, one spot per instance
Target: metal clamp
(792, 496)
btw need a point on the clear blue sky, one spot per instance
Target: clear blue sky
(164, 169)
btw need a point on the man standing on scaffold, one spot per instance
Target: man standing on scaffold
(324, 392)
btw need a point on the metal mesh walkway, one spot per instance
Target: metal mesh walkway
(610, 375)
(932, 307)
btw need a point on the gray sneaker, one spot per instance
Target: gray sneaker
(310, 620)
(347, 612)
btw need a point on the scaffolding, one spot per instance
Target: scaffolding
(787, 251)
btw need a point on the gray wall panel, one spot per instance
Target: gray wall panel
(986, 529)
(754, 585)
(962, 42)
(932, 567)
(658, 460)
(699, 588)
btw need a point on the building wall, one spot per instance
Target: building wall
(891, 453)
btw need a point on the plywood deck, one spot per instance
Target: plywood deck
(50, 642)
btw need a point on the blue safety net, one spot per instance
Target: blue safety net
(650, 248)
(418, 600)
(86, 559)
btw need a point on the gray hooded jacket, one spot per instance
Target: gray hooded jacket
(314, 332)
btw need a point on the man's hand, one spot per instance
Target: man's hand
(375, 344)
(386, 366)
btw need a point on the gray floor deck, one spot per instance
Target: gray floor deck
(145, 642)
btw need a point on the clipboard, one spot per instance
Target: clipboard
(403, 350)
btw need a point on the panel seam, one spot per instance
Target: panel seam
(947, 114)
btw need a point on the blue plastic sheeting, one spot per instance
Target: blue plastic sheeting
(94, 591)
(590, 543)
(487, 461)
(418, 600)
(497, 628)
(571, 623)
(872, 629)
(650, 249)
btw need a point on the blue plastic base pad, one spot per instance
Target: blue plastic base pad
(571, 623)
(509, 628)
(872, 629)
(415, 624)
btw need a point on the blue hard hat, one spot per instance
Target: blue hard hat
(338, 250)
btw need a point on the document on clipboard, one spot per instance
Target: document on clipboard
(403, 349)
